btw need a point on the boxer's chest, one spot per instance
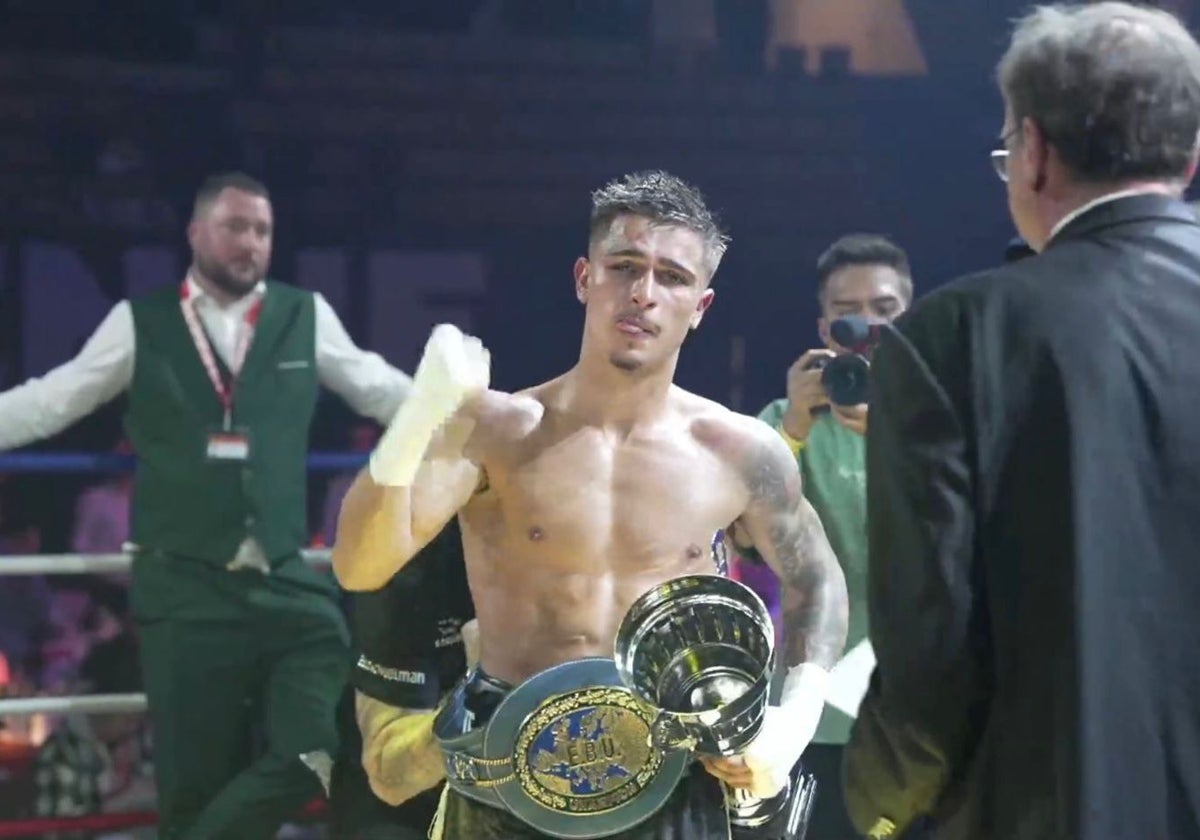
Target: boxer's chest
(643, 502)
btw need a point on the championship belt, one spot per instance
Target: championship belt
(570, 752)
(701, 650)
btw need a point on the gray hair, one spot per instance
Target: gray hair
(1114, 87)
(662, 199)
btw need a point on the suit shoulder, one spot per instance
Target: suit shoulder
(969, 298)
(962, 292)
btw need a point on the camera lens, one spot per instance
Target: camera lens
(846, 380)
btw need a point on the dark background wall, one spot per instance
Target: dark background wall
(431, 163)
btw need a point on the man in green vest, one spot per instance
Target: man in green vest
(238, 635)
(866, 276)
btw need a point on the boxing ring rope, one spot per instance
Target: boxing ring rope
(121, 562)
(74, 564)
(91, 564)
(36, 826)
(111, 462)
(89, 704)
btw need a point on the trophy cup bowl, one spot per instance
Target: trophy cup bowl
(701, 650)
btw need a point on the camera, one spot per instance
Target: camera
(846, 378)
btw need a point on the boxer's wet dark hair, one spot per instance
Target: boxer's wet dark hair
(214, 185)
(663, 199)
(863, 249)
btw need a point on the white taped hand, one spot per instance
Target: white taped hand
(453, 368)
(787, 729)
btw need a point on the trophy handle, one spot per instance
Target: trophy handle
(667, 733)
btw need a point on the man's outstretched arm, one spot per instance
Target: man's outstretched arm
(44, 406)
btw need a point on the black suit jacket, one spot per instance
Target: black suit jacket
(1034, 514)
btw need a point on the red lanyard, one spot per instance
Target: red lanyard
(204, 348)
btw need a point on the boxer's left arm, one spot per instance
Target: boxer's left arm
(787, 532)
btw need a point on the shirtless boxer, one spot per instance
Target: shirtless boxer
(578, 495)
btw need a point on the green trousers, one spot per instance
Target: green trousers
(227, 656)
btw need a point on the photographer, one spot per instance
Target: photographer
(867, 277)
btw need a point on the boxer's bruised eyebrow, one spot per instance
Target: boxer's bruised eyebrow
(627, 253)
(634, 253)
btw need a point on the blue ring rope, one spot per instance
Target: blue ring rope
(108, 462)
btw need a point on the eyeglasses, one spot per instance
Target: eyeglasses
(999, 156)
(1000, 163)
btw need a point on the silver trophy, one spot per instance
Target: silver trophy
(700, 649)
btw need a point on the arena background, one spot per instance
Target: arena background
(432, 161)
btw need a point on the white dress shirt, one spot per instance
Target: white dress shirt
(44, 406)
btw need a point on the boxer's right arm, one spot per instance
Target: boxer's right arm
(46, 405)
(381, 528)
(419, 475)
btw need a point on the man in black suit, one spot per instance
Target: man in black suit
(1034, 474)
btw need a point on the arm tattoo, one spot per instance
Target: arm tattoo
(788, 534)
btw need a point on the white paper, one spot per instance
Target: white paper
(849, 678)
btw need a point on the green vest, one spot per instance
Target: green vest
(833, 466)
(185, 504)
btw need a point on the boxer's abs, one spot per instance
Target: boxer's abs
(542, 617)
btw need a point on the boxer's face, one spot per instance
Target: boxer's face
(643, 286)
(231, 241)
(875, 292)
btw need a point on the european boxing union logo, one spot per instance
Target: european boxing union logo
(587, 751)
